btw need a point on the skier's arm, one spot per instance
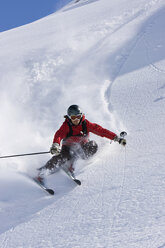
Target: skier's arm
(100, 131)
(61, 133)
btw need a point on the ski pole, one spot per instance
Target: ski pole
(25, 154)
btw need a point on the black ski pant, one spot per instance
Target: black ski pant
(71, 153)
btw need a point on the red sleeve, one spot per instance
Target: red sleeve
(61, 133)
(100, 131)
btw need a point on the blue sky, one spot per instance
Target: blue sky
(14, 13)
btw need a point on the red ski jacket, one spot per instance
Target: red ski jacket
(77, 132)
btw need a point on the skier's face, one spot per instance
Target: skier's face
(76, 122)
(76, 119)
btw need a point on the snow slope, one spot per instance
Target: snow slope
(108, 57)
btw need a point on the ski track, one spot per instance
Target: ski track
(107, 96)
(120, 195)
(128, 52)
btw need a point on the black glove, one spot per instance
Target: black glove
(121, 141)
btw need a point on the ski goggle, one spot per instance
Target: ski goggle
(74, 117)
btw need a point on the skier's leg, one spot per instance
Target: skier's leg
(90, 148)
(70, 157)
(55, 162)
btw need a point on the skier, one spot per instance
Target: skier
(71, 141)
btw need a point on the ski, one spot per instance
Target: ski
(71, 175)
(50, 191)
(34, 179)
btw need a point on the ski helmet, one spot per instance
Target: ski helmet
(74, 110)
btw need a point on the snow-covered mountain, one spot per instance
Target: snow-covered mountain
(108, 57)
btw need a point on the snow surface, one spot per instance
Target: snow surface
(108, 57)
